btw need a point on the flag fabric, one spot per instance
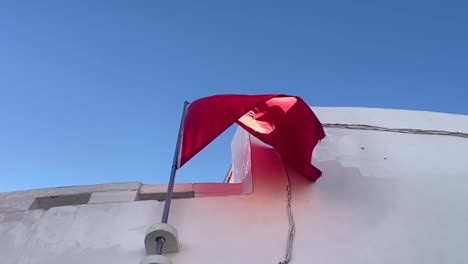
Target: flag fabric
(282, 121)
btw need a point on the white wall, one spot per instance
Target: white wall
(384, 198)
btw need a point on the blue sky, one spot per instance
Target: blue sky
(92, 91)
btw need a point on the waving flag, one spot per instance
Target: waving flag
(284, 122)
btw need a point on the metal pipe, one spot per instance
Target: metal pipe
(170, 186)
(159, 245)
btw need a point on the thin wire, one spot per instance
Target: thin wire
(292, 224)
(397, 130)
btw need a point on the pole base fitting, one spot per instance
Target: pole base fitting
(166, 231)
(156, 259)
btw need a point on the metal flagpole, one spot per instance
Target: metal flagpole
(170, 187)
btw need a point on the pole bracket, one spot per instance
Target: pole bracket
(167, 232)
(156, 259)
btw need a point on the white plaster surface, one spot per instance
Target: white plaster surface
(383, 198)
(92, 233)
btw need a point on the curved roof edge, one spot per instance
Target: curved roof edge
(393, 118)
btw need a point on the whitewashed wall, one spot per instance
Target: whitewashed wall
(384, 198)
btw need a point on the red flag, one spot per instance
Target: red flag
(284, 122)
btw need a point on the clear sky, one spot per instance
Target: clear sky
(92, 91)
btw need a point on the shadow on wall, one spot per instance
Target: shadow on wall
(345, 192)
